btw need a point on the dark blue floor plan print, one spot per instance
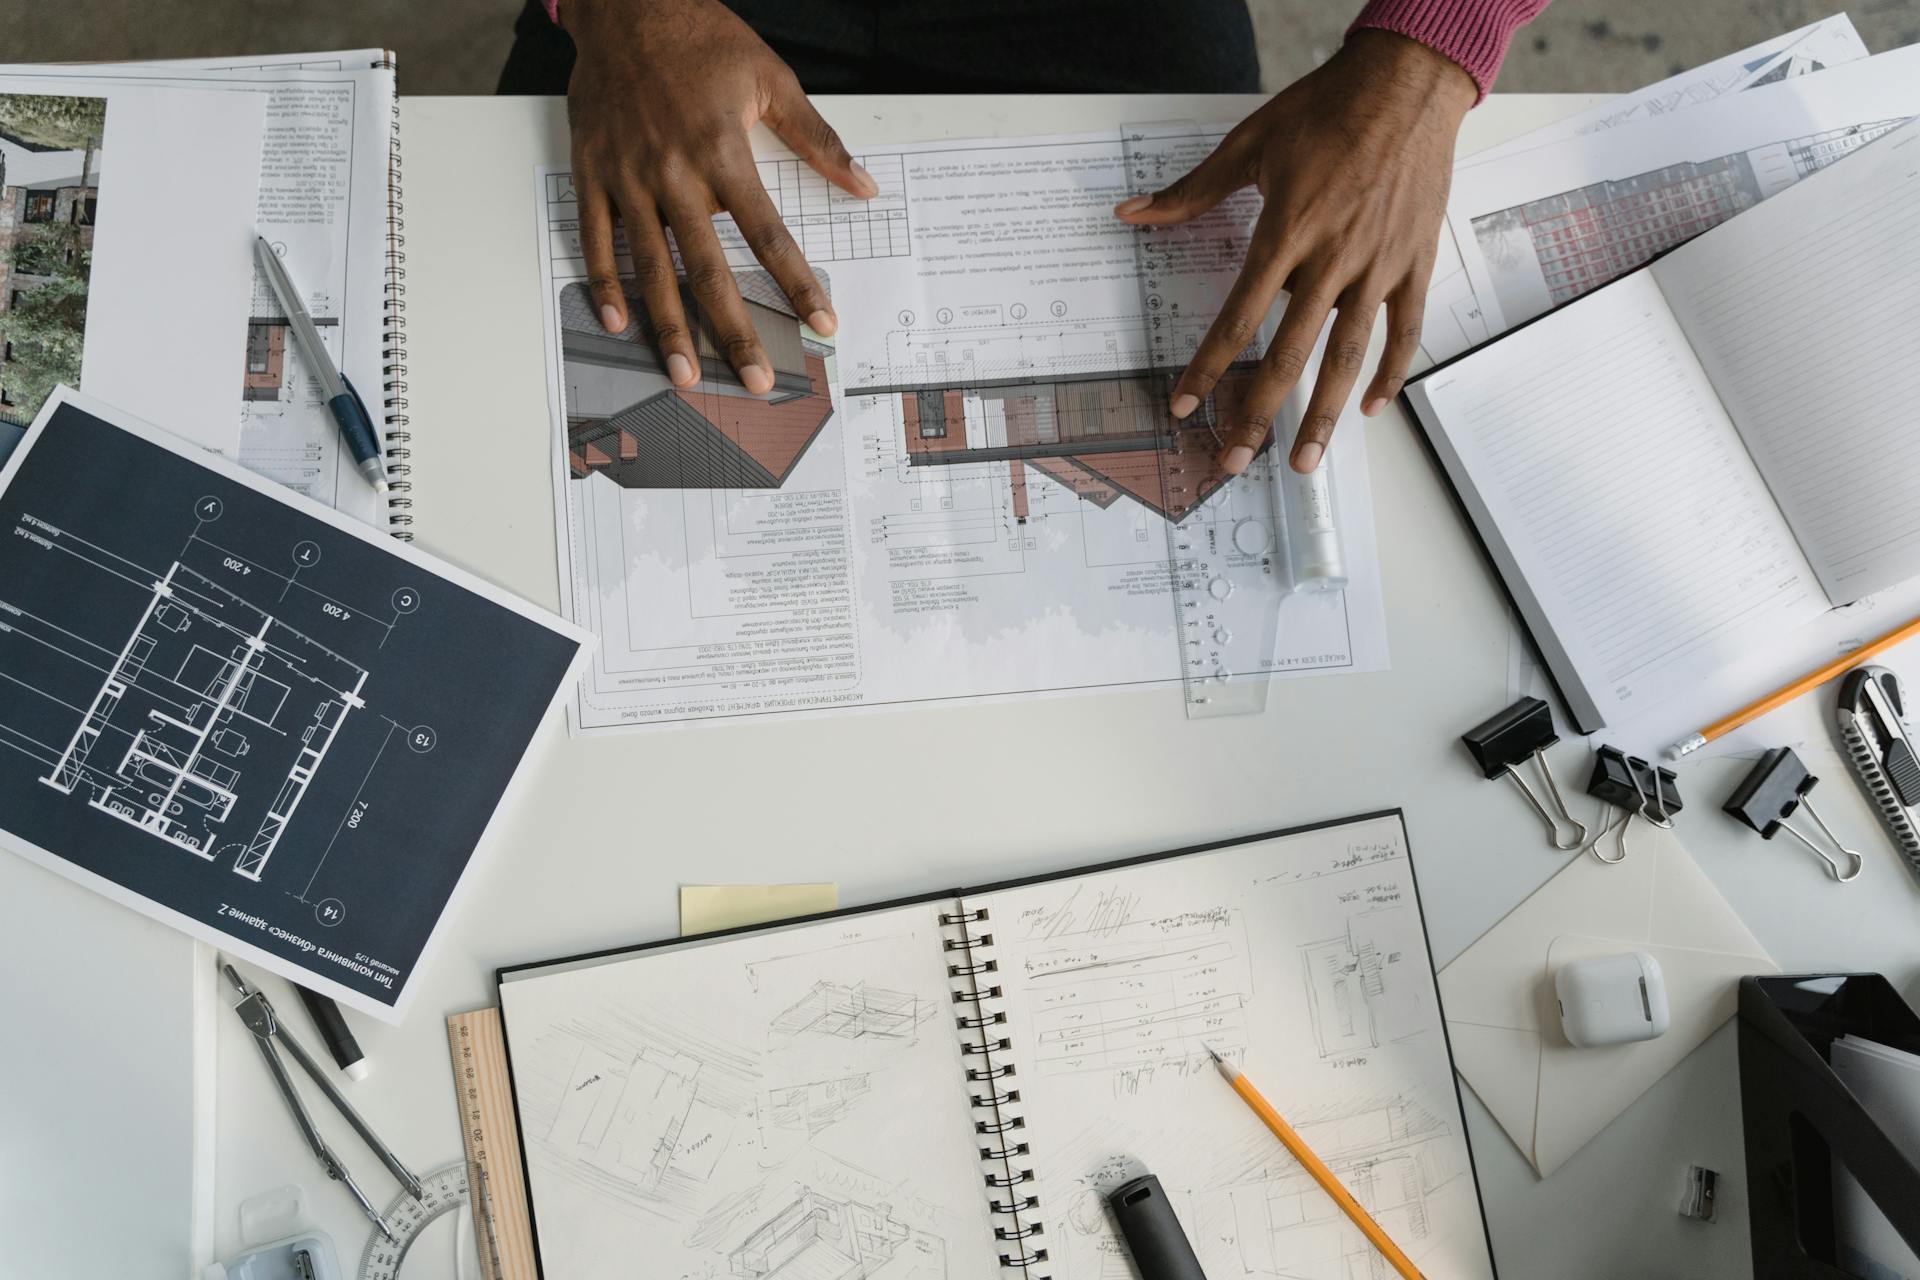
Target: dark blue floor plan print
(288, 734)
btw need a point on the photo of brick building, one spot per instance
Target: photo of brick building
(628, 422)
(49, 199)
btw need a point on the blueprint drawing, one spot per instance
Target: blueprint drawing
(268, 728)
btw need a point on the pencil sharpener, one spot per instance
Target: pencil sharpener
(1617, 999)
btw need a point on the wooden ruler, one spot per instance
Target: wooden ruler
(495, 1182)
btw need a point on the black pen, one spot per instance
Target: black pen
(334, 1030)
(1159, 1247)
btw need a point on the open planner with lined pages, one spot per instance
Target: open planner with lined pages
(1675, 469)
(947, 1087)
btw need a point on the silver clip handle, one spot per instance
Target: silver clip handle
(1559, 802)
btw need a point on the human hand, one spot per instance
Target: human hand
(662, 95)
(1353, 160)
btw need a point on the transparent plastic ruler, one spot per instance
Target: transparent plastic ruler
(441, 1192)
(1226, 653)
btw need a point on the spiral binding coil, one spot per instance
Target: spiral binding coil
(993, 1091)
(397, 438)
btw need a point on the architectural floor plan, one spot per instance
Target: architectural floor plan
(244, 718)
(974, 490)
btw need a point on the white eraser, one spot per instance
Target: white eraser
(357, 1070)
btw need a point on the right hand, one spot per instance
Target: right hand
(662, 95)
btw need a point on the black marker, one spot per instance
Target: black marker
(334, 1030)
(1160, 1249)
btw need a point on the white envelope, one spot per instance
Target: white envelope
(1550, 1097)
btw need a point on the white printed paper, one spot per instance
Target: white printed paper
(323, 179)
(958, 497)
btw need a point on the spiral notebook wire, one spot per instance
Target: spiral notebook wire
(993, 1090)
(397, 432)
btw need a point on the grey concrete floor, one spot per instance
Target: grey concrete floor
(457, 46)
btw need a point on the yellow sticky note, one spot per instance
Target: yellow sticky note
(707, 907)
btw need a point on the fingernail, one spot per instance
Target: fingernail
(757, 380)
(865, 179)
(1374, 406)
(680, 370)
(1132, 204)
(823, 323)
(1183, 404)
(1306, 455)
(610, 317)
(1237, 460)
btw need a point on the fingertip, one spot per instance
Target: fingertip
(756, 379)
(864, 183)
(823, 323)
(1373, 406)
(1306, 456)
(1237, 459)
(679, 370)
(611, 319)
(1183, 404)
(1132, 205)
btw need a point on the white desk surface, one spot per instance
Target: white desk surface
(593, 854)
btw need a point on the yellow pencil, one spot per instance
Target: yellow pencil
(1312, 1164)
(1780, 697)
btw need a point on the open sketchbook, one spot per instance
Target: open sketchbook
(944, 1088)
(1675, 469)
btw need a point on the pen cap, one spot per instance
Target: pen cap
(1159, 1247)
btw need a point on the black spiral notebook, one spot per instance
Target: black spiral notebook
(944, 1087)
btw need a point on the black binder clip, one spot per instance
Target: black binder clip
(1637, 788)
(1500, 744)
(1769, 794)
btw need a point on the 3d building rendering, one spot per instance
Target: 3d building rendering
(628, 422)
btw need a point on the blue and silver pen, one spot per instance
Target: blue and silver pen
(343, 402)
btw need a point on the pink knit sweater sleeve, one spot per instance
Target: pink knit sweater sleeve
(1474, 33)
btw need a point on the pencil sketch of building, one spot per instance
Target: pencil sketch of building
(641, 1119)
(817, 1236)
(851, 1012)
(815, 1105)
(1363, 986)
(627, 421)
(1399, 1160)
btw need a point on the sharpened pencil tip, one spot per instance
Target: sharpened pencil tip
(1213, 1053)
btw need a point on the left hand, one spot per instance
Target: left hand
(1353, 160)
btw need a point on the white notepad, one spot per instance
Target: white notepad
(945, 1087)
(1674, 469)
